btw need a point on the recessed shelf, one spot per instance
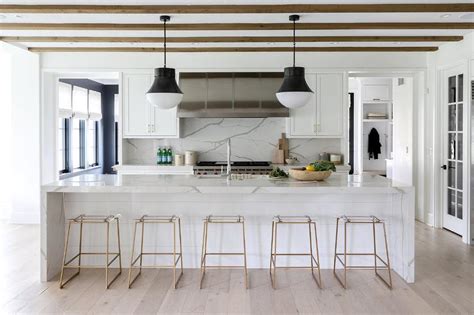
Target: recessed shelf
(377, 120)
(376, 102)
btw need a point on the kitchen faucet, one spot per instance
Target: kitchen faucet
(228, 158)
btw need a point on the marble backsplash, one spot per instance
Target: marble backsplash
(253, 139)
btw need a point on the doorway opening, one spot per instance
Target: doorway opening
(382, 125)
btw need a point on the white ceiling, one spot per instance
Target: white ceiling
(235, 18)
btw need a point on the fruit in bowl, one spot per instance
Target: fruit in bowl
(316, 171)
(320, 166)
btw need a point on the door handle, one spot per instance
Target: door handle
(444, 167)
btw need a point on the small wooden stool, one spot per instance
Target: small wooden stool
(177, 256)
(372, 220)
(91, 219)
(274, 254)
(222, 220)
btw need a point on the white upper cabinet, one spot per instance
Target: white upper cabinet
(376, 92)
(330, 104)
(302, 121)
(140, 118)
(323, 115)
(164, 122)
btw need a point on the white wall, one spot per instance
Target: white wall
(403, 131)
(355, 87)
(25, 138)
(5, 131)
(241, 61)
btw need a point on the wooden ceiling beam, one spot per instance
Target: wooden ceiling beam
(239, 9)
(230, 26)
(232, 49)
(231, 39)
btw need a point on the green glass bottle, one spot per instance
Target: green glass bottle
(159, 155)
(170, 156)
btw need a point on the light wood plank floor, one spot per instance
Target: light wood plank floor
(444, 284)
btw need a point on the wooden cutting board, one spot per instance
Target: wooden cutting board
(284, 145)
(278, 156)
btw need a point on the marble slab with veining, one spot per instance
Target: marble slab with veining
(257, 199)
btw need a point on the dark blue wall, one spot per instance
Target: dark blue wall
(108, 121)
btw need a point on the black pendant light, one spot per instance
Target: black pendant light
(164, 92)
(294, 91)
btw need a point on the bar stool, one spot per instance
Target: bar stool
(177, 256)
(274, 254)
(222, 220)
(372, 220)
(92, 219)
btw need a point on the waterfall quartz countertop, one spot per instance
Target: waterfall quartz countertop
(257, 199)
(337, 183)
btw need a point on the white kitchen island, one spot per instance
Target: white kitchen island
(257, 199)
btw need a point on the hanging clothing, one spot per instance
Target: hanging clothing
(374, 144)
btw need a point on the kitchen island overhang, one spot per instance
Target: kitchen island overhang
(257, 199)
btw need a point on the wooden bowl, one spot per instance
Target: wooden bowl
(304, 175)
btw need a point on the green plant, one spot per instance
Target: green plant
(324, 166)
(278, 173)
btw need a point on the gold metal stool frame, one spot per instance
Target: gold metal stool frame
(273, 257)
(361, 220)
(222, 220)
(177, 257)
(93, 219)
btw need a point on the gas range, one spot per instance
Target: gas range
(237, 167)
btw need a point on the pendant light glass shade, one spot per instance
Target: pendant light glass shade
(294, 91)
(164, 92)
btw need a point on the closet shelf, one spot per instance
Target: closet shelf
(377, 120)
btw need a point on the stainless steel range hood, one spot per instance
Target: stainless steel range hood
(231, 95)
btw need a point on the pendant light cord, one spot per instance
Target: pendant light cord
(164, 42)
(294, 42)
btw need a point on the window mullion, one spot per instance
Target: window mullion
(96, 125)
(67, 145)
(82, 139)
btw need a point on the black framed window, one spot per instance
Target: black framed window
(116, 132)
(63, 145)
(78, 143)
(92, 143)
(78, 134)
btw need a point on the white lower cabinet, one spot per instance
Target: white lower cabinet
(323, 115)
(140, 118)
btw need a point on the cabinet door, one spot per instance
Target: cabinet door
(302, 121)
(164, 122)
(141, 119)
(136, 109)
(376, 92)
(330, 104)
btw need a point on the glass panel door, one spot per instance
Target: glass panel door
(453, 216)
